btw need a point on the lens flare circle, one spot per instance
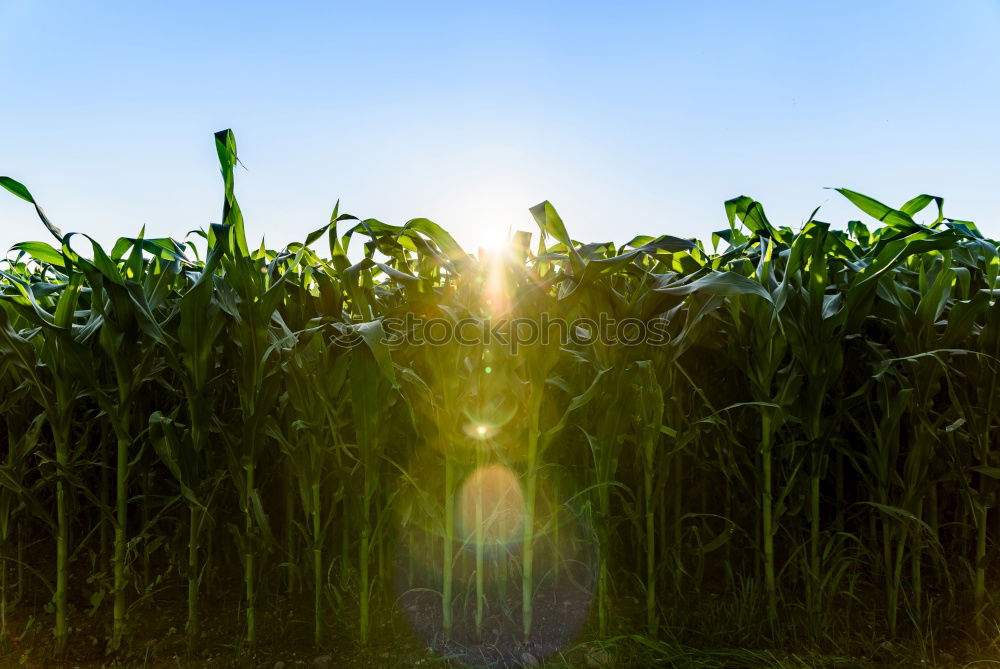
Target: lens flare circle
(491, 506)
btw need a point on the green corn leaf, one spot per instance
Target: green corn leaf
(22, 192)
(42, 252)
(891, 217)
(719, 283)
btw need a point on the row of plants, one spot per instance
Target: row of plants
(818, 428)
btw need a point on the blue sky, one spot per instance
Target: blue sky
(630, 117)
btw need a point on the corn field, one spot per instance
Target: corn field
(811, 440)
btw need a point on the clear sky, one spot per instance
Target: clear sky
(631, 117)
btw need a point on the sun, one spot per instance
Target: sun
(491, 239)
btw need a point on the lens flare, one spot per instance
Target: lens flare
(495, 293)
(480, 430)
(491, 506)
(462, 534)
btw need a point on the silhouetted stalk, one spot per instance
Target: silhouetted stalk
(651, 410)
(530, 482)
(916, 568)
(145, 518)
(248, 557)
(647, 479)
(105, 494)
(480, 581)
(317, 566)
(556, 529)
(767, 529)
(449, 542)
(814, 556)
(897, 582)
(410, 562)
(678, 505)
(979, 594)
(121, 521)
(61, 437)
(604, 513)
(20, 563)
(194, 526)
(290, 553)
(3, 587)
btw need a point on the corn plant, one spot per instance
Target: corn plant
(16, 494)
(64, 359)
(842, 380)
